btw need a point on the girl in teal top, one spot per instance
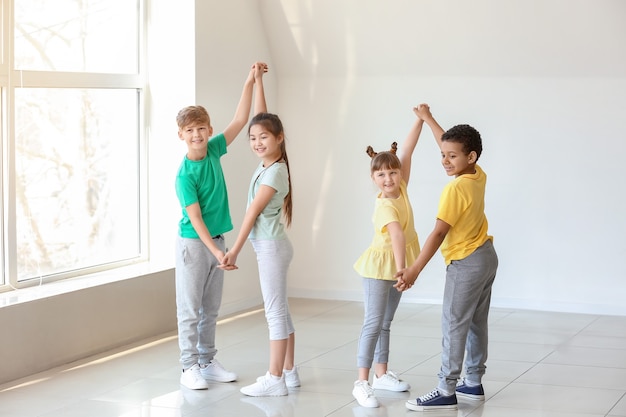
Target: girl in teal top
(269, 202)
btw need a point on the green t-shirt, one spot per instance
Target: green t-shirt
(203, 182)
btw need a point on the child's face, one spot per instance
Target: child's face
(196, 136)
(455, 161)
(264, 144)
(388, 180)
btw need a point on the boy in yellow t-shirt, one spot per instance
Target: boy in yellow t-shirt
(471, 264)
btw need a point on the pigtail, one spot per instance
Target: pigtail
(385, 159)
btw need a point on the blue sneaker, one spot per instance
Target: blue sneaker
(471, 392)
(433, 401)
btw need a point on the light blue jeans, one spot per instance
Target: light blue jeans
(466, 300)
(274, 257)
(381, 303)
(199, 286)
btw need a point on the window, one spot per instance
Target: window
(72, 78)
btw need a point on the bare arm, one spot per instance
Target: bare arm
(259, 92)
(242, 113)
(398, 244)
(407, 277)
(408, 146)
(423, 112)
(261, 199)
(195, 216)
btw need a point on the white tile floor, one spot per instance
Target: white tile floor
(541, 364)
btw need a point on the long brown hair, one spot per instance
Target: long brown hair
(273, 124)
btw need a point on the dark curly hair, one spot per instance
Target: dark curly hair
(467, 136)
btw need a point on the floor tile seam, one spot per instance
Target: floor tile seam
(623, 398)
(431, 357)
(327, 351)
(545, 384)
(321, 313)
(578, 365)
(595, 320)
(508, 314)
(337, 409)
(598, 348)
(570, 344)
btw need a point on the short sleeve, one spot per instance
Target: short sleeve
(452, 204)
(385, 213)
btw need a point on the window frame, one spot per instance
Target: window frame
(10, 79)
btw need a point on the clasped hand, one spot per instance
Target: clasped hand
(404, 280)
(227, 262)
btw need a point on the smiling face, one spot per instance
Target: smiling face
(388, 181)
(265, 144)
(455, 161)
(196, 135)
(387, 174)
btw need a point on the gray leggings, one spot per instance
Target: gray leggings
(381, 303)
(466, 301)
(274, 257)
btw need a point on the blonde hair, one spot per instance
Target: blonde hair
(191, 114)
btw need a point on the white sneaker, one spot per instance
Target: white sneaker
(192, 379)
(214, 371)
(364, 394)
(292, 379)
(390, 382)
(266, 386)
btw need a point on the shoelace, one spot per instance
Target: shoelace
(367, 390)
(393, 374)
(390, 375)
(215, 364)
(433, 394)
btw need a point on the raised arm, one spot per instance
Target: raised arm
(423, 112)
(408, 146)
(242, 113)
(260, 106)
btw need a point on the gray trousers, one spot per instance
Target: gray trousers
(381, 302)
(464, 325)
(274, 257)
(199, 286)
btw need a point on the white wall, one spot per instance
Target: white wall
(543, 81)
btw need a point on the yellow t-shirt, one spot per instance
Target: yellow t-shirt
(378, 260)
(462, 206)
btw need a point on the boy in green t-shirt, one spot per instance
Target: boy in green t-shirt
(461, 232)
(201, 191)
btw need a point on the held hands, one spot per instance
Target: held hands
(405, 279)
(227, 263)
(422, 111)
(257, 70)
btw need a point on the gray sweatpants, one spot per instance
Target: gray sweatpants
(466, 300)
(274, 257)
(199, 286)
(380, 303)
